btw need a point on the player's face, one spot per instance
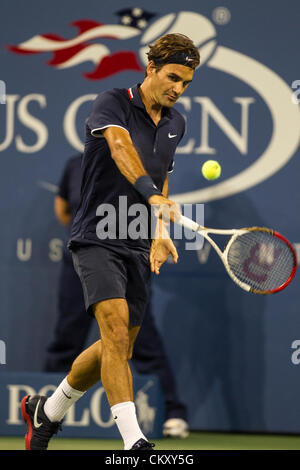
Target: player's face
(168, 84)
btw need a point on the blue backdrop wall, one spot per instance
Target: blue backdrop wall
(234, 355)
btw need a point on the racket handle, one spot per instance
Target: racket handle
(187, 223)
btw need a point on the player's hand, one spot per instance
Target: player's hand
(160, 250)
(165, 208)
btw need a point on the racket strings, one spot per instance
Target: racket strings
(260, 260)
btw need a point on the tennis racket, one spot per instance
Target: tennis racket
(258, 259)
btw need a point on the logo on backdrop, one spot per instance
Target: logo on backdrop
(141, 26)
(145, 413)
(83, 48)
(93, 411)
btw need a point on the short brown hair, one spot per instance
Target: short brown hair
(168, 47)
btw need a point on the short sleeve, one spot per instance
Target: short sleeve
(109, 110)
(171, 166)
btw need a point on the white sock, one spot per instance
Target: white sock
(62, 399)
(125, 417)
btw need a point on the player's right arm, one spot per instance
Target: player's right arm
(124, 153)
(130, 165)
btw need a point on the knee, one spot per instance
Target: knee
(113, 325)
(116, 342)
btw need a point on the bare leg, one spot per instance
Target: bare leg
(87, 368)
(107, 359)
(85, 371)
(117, 340)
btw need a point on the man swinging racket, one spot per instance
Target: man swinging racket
(131, 138)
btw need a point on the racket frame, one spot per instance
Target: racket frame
(235, 233)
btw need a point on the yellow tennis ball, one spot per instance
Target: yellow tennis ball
(211, 170)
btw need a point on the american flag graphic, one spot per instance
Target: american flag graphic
(83, 48)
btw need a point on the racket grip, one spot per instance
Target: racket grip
(187, 223)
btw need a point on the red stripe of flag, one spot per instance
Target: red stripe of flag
(59, 57)
(115, 63)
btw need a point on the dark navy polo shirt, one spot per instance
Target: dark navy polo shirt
(102, 181)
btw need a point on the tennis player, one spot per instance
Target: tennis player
(73, 324)
(131, 138)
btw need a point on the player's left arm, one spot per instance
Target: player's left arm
(162, 246)
(165, 189)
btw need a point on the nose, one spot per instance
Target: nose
(178, 88)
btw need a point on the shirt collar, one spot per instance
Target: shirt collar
(136, 99)
(135, 96)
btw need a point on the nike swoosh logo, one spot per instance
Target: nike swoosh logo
(67, 396)
(171, 135)
(35, 421)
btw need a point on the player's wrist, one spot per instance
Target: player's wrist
(145, 186)
(161, 230)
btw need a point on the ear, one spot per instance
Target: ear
(151, 68)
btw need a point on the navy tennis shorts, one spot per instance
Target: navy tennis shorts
(114, 272)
